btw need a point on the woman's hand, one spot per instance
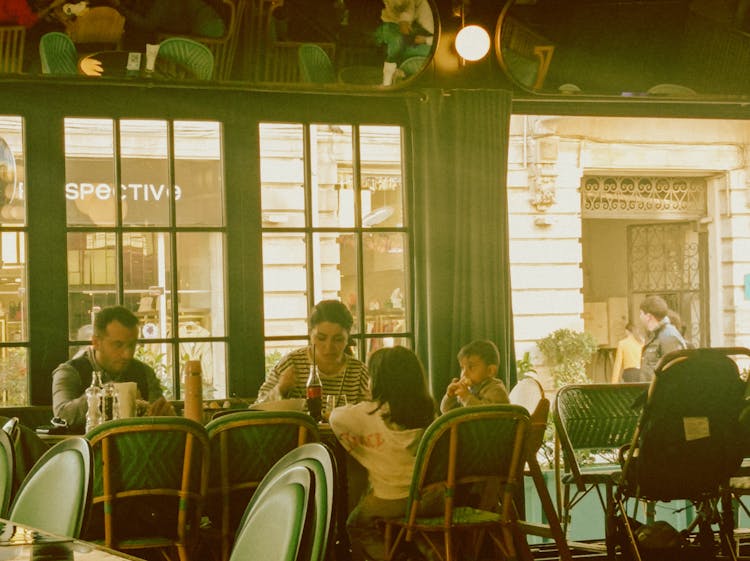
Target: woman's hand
(287, 381)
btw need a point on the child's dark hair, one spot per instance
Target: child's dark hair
(484, 349)
(399, 380)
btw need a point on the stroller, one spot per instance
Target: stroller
(688, 443)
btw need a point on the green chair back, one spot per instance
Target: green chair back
(320, 461)
(56, 494)
(58, 54)
(237, 467)
(7, 463)
(150, 476)
(191, 54)
(482, 447)
(275, 521)
(315, 65)
(412, 65)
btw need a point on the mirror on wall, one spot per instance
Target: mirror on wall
(654, 48)
(347, 43)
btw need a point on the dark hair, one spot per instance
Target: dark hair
(105, 316)
(656, 306)
(482, 348)
(675, 319)
(333, 311)
(398, 379)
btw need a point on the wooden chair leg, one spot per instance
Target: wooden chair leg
(549, 510)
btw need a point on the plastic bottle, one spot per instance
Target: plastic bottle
(314, 394)
(94, 401)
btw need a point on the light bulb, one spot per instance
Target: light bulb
(472, 42)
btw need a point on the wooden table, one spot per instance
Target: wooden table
(23, 543)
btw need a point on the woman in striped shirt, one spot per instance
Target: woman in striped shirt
(340, 373)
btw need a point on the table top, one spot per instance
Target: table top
(23, 543)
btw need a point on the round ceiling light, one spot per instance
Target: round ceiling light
(472, 42)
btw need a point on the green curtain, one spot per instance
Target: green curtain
(462, 267)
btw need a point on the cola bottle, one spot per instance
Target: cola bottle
(314, 394)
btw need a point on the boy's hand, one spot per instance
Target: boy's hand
(452, 387)
(462, 387)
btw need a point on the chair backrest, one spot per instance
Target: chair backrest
(321, 462)
(315, 65)
(193, 55)
(12, 39)
(156, 466)
(58, 54)
(56, 494)
(98, 25)
(275, 523)
(595, 417)
(529, 394)
(236, 467)
(689, 439)
(412, 65)
(7, 463)
(469, 445)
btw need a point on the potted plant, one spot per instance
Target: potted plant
(568, 353)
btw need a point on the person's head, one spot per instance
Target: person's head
(479, 360)
(330, 322)
(653, 309)
(115, 337)
(398, 379)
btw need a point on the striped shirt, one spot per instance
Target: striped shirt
(352, 380)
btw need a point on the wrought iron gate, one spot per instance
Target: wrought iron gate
(668, 259)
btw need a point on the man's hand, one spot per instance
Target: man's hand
(160, 408)
(287, 381)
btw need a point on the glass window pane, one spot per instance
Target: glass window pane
(159, 356)
(90, 189)
(147, 281)
(375, 343)
(285, 284)
(198, 173)
(382, 181)
(385, 268)
(277, 349)
(282, 175)
(14, 363)
(201, 298)
(12, 172)
(331, 162)
(329, 270)
(212, 356)
(92, 279)
(349, 271)
(144, 173)
(13, 303)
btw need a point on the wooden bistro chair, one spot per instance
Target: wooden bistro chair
(58, 54)
(244, 446)
(150, 476)
(191, 55)
(529, 394)
(469, 446)
(7, 466)
(12, 39)
(592, 418)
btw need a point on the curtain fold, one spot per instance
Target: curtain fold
(462, 266)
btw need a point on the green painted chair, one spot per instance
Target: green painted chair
(58, 54)
(56, 494)
(477, 448)
(315, 65)
(598, 418)
(237, 467)
(150, 476)
(275, 522)
(412, 65)
(320, 461)
(7, 463)
(191, 55)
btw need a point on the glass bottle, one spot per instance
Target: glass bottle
(109, 402)
(314, 394)
(94, 400)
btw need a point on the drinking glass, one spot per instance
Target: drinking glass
(332, 401)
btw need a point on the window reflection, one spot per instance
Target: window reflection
(174, 272)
